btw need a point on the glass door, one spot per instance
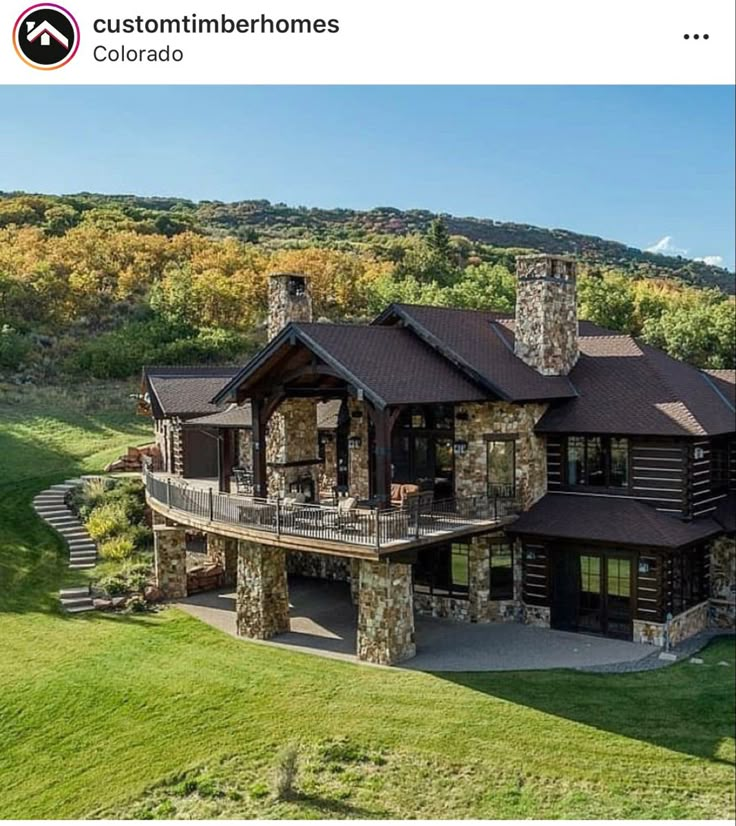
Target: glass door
(590, 604)
(618, 597)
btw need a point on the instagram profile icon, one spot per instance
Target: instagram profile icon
(46, 36)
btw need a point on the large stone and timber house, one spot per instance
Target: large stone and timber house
(459, 463)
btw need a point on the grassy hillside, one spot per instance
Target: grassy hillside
(162, 716)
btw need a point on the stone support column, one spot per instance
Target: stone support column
(479, 578)
(262, 601)
(385, 613)
(170, 560)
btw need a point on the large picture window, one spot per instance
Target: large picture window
(501, 457)
(502, 571)
(597, 461)
(443, 571)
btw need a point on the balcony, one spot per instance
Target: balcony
(359, 532)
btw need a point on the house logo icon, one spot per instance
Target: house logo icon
(46, 36)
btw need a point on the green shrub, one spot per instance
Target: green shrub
(117, 548)
(107, 520)
(132, 576)
(141, 536)
(14, 348)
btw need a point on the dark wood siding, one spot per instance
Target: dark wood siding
(732, 464)
(554, 463)
(649, 605)
(535, 574)
(659, 472)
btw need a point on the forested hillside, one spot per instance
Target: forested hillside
(98, 285)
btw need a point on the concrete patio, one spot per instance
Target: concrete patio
(323, 622)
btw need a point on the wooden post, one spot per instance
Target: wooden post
(260, 481)
(211, 505)
(383, 424)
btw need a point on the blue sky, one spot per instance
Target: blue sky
(649, 166)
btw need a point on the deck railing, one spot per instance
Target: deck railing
(367, 527)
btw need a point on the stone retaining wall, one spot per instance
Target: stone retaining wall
(318, 566)
(681, 627)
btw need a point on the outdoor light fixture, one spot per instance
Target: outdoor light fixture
(699, 453)
(325, 438)
(461, 447)
(354, 442)
(643, 567)
(357, 414)
(462, 415)
(531, 556)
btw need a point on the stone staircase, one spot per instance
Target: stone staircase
(50, 505)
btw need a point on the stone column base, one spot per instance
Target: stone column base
(538, 615)
(385, 613)
(170, 560)
(262, 601)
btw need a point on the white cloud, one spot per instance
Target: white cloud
(712, 260)
(665, 247)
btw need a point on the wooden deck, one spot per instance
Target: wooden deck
(364, 533)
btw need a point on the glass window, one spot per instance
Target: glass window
(594, 461)
(619, 476)
(575, 460)
(502, 571)
(501, 467)
(599, 461)
(459, 567)
(619, 577)
(443, 571)
(719, 466)
(688, 579)
(590, 574)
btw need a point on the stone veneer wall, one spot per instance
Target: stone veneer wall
(359, 458)
(223, 552)
(385, 613)
(170, 560)
(478, 607)
(484, 418)
(328, 471)
(244, 457)
(546, 331)
(318, 566)
(681, 627)
(291, 437)
(538, 615)
(262, 599)
(723, 582)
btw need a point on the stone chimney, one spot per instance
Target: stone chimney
(289, 299)
(291, 438)
(546, 313)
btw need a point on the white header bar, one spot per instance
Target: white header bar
(379, 42)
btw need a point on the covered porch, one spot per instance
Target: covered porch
(323, 621)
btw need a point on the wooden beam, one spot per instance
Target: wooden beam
(260, 478)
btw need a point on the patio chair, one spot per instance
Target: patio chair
(344, 516)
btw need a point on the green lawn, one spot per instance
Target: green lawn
(160, 715)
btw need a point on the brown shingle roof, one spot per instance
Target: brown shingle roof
(391, 363)
(474, 340)
(185, 392)
(618, 521)
(625, 386)
(233, 416)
